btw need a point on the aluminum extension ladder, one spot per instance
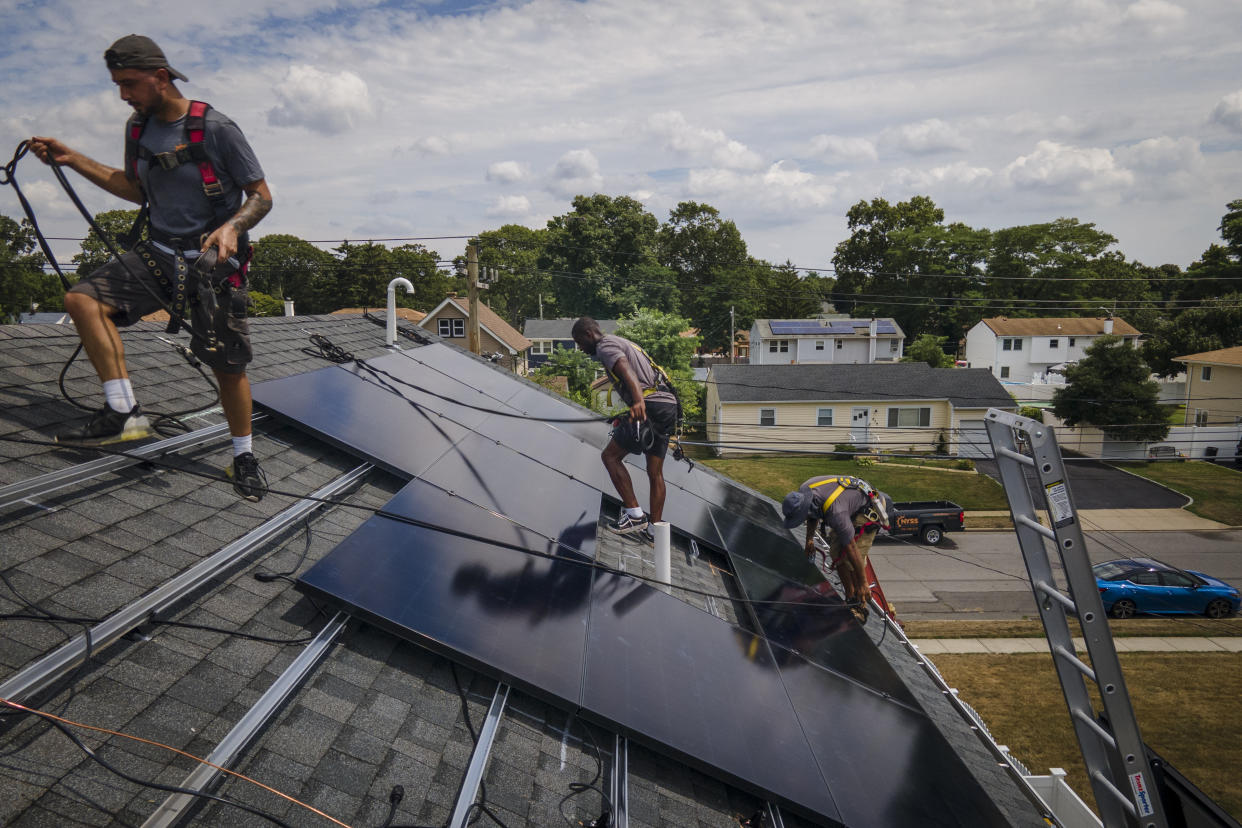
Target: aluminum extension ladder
(1116, 760)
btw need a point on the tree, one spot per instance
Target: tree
(737, 289)
(521, 289)
(22, 280)
(261, 304)
(1110, 388)
(661, 336)
(699, 246)
(575, 366)
(786, 295)
(95, 253)
(1214, 325)
(287, 267)
(929, 348)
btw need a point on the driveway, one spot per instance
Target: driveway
(1096, 485)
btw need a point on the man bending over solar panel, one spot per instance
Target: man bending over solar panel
(652, 419)
(848, 513)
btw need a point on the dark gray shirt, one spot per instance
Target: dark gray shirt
(610, 349)
(178, 205)
(840, 515)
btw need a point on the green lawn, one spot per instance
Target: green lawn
(1217, 490)
(776, 476)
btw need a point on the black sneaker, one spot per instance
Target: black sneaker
(646, 537)
(248, 479)
(109, 426)
(626, 524)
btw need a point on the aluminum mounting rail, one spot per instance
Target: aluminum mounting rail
(82, 472)
(478, 759)
(205, 777)
(1117, 765)
(42, 673)
(619, 784)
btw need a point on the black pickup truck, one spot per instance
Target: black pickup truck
(929, 519)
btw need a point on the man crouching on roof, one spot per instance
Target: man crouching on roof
(652, 420)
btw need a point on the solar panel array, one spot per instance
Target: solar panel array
(829, 327)
(486, 556)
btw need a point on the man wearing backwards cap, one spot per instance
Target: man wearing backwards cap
(850, 513)
(189, 215)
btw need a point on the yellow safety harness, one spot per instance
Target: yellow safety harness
(846, 482)
(661, 379)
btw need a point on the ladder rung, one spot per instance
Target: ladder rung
(1058, 596)
(1116, 793)
(1104, 735)
(1031, 523)
(1075, 661)
(1013, 455)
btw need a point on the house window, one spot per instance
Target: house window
(1071, 342)
(892, 345)
(1004, 372)
(1011, 344)
(778, 346)
(824, 417)
(909, 417)
(1054, 343)
(839, 344)
(767, 416)
(1201, 417)
(1206, 373)
(819, 344)
(449, 328)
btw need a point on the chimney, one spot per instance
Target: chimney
(288, 307)
(871, 331)
(1108, 325)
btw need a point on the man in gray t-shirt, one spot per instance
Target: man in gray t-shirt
(197, 206)
(653, 412)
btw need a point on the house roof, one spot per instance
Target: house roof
(825, 326)
(489, 320)
(408, 314)
(377, 709)
(877, 382)
(1054, 326)
(1224, 356)
(561, 328)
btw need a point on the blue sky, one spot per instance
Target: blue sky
(401, 119)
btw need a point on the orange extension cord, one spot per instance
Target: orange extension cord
(267, 788)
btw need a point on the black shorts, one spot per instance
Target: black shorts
(135, 286)
(661, 422)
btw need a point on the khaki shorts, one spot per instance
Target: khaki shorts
(862, 540)
(134, 289)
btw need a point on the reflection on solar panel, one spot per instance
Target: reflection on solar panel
(486, 558)
(829, 327)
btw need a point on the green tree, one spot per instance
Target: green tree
(735, 289)
(928, 348)
(262, 304)
(784, 294)
(95, 253)
(1110, 388)
(699, 247)
(520, 288)
(431, 282)
(572, 364)
(288, 267)
(1216, 324)
(660, 335)
(22, 279)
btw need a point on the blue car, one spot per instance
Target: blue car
(1132, 586)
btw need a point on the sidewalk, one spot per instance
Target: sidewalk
(1213, 644)
(1119, 520)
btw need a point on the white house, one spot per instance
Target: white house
(825, 340)
(1038, 350)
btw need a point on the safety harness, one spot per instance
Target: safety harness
(874, 510)
(646, 437)
(204, 292)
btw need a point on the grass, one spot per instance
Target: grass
(1188, 705)
(1189, 626)
(776, 476)
(1217, 490)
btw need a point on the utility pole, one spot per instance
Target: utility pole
(732, 340)
(541, 306)
(472, 274)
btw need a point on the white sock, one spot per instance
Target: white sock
(635, 512)
(120, 395)
(242, 445)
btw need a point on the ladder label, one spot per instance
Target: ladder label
(1059, 503)
(1141, 796)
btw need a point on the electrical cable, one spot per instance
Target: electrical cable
(480, 804)
(579, 788)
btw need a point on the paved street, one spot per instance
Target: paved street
(1097, 485)
(981, 575)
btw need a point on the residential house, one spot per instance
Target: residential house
(498, 340)
(1214, 387)
(827, 339)
(1038, 350)
(898, 407)
(545, 335)
(407, 314)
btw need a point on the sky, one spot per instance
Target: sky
(378, 120)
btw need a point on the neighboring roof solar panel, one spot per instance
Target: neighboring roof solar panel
(830, 327)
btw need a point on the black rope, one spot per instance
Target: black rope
(10, 177)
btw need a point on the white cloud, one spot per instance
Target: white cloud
(1228, 112)
(1161, 155)
(1155, 14)
(711, 145)
(926, 137)
(507, 172)
(959, 174)
(509, 207)
(1054, 166)
(840, 148)
(782, 188)
(329, 103)
(576, 172)
(432, 145)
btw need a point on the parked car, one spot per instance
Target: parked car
(1145, 585)
(929, 519)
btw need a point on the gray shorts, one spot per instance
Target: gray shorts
(134, 286)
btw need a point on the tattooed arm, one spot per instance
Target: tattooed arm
(257, 205)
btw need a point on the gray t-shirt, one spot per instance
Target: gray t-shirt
(178, 205)
(610, 349)
(840, 516)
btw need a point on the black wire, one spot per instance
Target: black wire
(267, 577)
(10, 177)
(579, 788)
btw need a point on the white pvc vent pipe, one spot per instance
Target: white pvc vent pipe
(663, 544)
(392, 307)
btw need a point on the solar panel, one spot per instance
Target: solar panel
(830, 327)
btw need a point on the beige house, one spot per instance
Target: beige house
(496, 336)
(1214, 387)
(895, 407)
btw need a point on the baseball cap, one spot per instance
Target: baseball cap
(796, 506)
(137, 51)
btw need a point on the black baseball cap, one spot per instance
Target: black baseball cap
(137, 51)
